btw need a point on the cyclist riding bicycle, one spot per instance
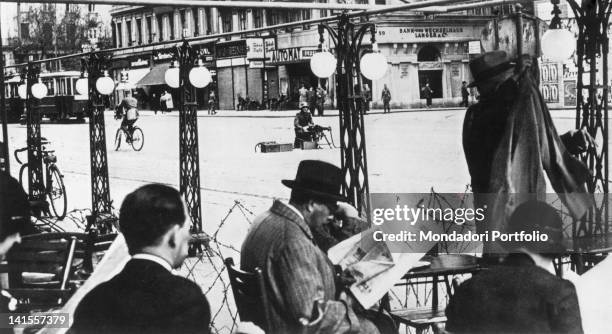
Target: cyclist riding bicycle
(128, 109)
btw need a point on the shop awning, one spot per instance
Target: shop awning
(134, 76)
(155, 77)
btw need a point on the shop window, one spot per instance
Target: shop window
(128, 25)
(226, 20)
(257, 18)
(149, 30)
(242, 20)
(138, 31)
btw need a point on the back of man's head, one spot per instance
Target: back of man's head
(148, 213)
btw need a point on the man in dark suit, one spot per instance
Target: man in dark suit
(522, 295)
(146, 297)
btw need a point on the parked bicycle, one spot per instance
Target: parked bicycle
(53, 179)
(135, 138)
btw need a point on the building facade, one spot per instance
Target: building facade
(420, 49)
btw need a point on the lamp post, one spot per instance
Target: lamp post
(96, 83)
(349, 68)
(31, 91)
(187, 74)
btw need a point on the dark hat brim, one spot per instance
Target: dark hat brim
(318, 194)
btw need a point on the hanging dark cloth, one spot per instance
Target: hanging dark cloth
(510, 142)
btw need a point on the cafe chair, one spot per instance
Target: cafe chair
(249, 294)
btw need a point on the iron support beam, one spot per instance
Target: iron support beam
(6, 166)
(36, 185)
(101, 205)
(189, 157)
(592, 18)
(351, 105)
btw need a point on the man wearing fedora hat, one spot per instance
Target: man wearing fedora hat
(522, 295)
(301, 123)
(296, 271)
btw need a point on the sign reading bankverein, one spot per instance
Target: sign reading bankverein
(426, 34)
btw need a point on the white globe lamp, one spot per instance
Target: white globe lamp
(105, 85)
(172, 77)
(323, 64)
(82, 86)
(22, 91)
(39, 90)
(200, 76)
(373, 65)
(558, 44)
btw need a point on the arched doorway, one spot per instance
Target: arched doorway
(430, 70)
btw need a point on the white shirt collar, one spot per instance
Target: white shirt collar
(154, 258)
(297, 212)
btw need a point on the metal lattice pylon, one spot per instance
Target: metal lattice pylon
(100, 190)
(188, 137)
(592, 18)
(36, 183)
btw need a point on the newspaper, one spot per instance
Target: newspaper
(375, 268)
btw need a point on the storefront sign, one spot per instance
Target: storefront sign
(255, 48)
(139, 63)
(423, 34)
(292, 55)
(474, 47)
(430, 66)
(232, 49)
(256, 63)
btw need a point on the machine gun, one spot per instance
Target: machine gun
(319, 132)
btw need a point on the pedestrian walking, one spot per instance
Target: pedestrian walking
(321, 95)
(154, 103)
(303, 95)
(367, 96)
(166, 102)
(312, 100)
(465, 93)
(386, 98)
(212, 100)
(427, 94)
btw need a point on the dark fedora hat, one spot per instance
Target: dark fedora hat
(489, 65)
(320, 179)
(537, 216)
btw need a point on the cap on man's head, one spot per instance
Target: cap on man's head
(489, 66)
(537, 218)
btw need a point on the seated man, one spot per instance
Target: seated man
(301, 123)
(146, 297)
(297, 273)
(522, 295)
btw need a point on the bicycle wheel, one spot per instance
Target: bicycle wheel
(118, 139)
(23, 176)
(137, 139)
(57, 192)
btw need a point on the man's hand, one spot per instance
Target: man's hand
(346, 210)
(8, 242)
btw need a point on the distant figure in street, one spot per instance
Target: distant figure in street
(166, 102)
(359, 100)
(301, 124)
(154, 103)
(312, 100)
(321, 95)
(427, 94)
(212, 100)
(146, 296)
(386, 98)
(465, 94)
(303, 95)
(367, 96)
(128, 109)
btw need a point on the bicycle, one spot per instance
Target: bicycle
(137, 137)
(52, 178)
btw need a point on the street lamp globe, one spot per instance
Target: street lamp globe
(105, 85)
(82, 86)
(39, 90)
(22, 91)
(199, 76)
(558, 44)
(172, 76)
(323, 64)
(373, 65)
